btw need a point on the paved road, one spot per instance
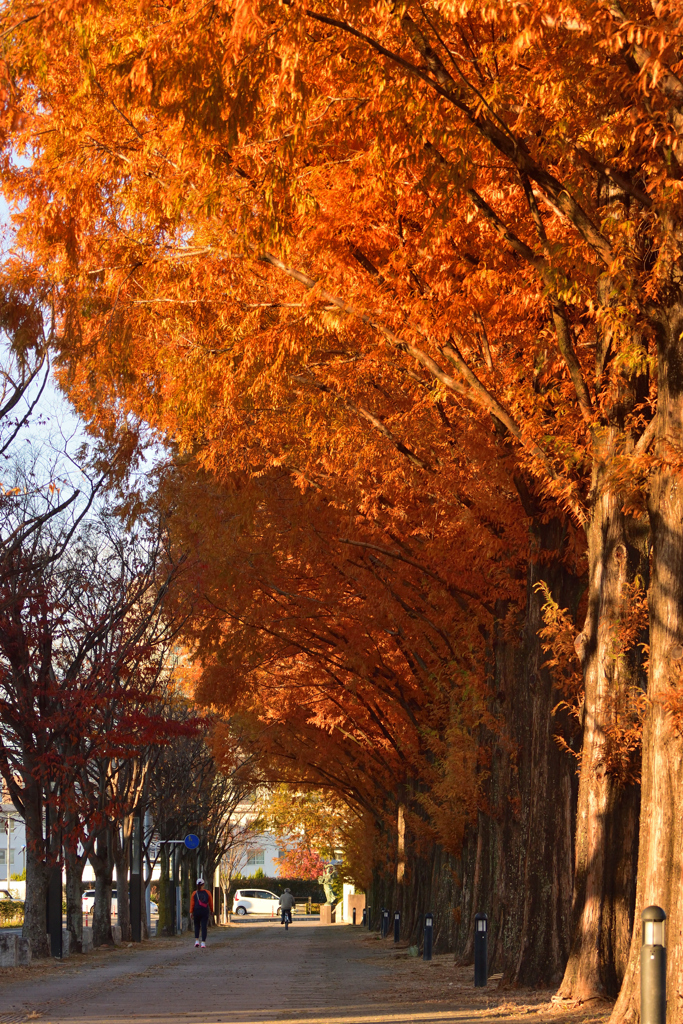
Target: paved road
(251, 972)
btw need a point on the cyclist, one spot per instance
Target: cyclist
(201, 905)
(287, 902)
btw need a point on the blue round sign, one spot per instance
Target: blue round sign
(191, 841)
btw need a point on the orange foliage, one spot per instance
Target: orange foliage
(379, 275)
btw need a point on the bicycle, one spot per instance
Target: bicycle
(286, 918)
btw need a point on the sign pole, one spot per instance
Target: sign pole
(135, 888)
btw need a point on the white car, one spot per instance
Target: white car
(255, 901)
(5, 894)
(88, 903)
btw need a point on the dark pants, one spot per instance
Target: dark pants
(201, 919)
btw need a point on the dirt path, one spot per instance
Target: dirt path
(254, 972)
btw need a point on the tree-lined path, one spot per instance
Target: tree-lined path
(253, 972)
(373, 313)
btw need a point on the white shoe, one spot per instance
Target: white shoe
(196, 944)
(203, 945)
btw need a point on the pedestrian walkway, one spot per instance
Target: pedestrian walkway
(255, 972)
(249, 972)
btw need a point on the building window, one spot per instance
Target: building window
(256, 857)
(3, 856)
(281, 854)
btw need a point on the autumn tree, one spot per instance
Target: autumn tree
(466, 215)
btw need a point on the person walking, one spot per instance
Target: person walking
(201, 905)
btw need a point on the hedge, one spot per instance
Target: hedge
(11, 912)
(302, 888)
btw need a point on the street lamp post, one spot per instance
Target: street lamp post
(429, 937)
(653, 967)
(481, 928)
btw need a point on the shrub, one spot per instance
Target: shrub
(11, 912)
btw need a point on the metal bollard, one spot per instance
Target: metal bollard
(653, 967)
(481, 929)
(354, 915)
(385, 923)
(397, 925)
(365, 916)
(429, 937)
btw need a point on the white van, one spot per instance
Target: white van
(255, 901)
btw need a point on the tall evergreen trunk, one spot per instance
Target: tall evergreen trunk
(544, 875)
(608, 806)
(103, 864)
(516, 866)
(660, 856)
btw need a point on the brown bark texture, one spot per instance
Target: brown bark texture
(103, 865)
(608, 805)
(122, 836)
(35, 917)
(660, 857)
(74, 901)
(516, 863)
(518, 870)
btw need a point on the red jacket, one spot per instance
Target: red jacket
(193, 901)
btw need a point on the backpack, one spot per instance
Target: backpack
(203, 903)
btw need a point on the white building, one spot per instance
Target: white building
(12, 845)
(262, 852)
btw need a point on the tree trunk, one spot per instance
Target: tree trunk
(122, 858)
(74, 900)
(544, 877)
(37, 878)
(165, 922)
(103, 863)
(660, 855)
(608, 805)
(517, 865)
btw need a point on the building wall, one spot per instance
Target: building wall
(17, 841)
(262, 851)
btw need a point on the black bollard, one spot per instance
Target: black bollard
(653, 967)
(354, 915)
(429, 937)
(365, 916)
(385, 923)
(481, 927)
(397, 926)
